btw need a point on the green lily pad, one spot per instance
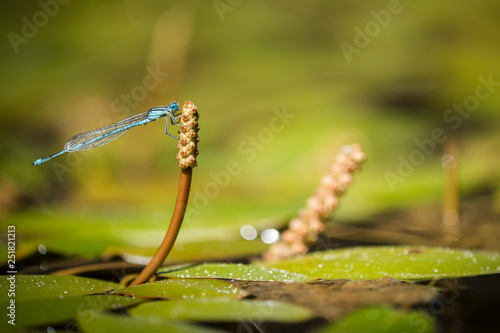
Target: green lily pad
(37, 286)
(130, 234)
(182, 289)
(223, 309)
(400, 262)
(233, 271)
(49, 310)
(42, 299)
(105, 323)
(185, 251)
(382, 319)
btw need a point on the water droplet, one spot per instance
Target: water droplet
(42, 249)
(248, 232)
(270, 236)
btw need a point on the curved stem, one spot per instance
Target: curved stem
(173, 229)
(94, 268)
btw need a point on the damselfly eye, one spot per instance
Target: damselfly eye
(174, 106)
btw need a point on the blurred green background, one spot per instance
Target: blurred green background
(380, 73)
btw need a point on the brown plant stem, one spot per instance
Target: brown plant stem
(188, 141)
(173, 229)
(95, 267)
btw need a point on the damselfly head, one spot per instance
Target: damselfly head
(174, 109)
(173, 106)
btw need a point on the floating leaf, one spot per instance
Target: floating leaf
(382, 319)
(400, 262)
(223, 309)
(185, 251)
(36, 286)
(42, 299)
(232, 271)
(105, 323)
(47, 310)
(182, 289)
(130, 234)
